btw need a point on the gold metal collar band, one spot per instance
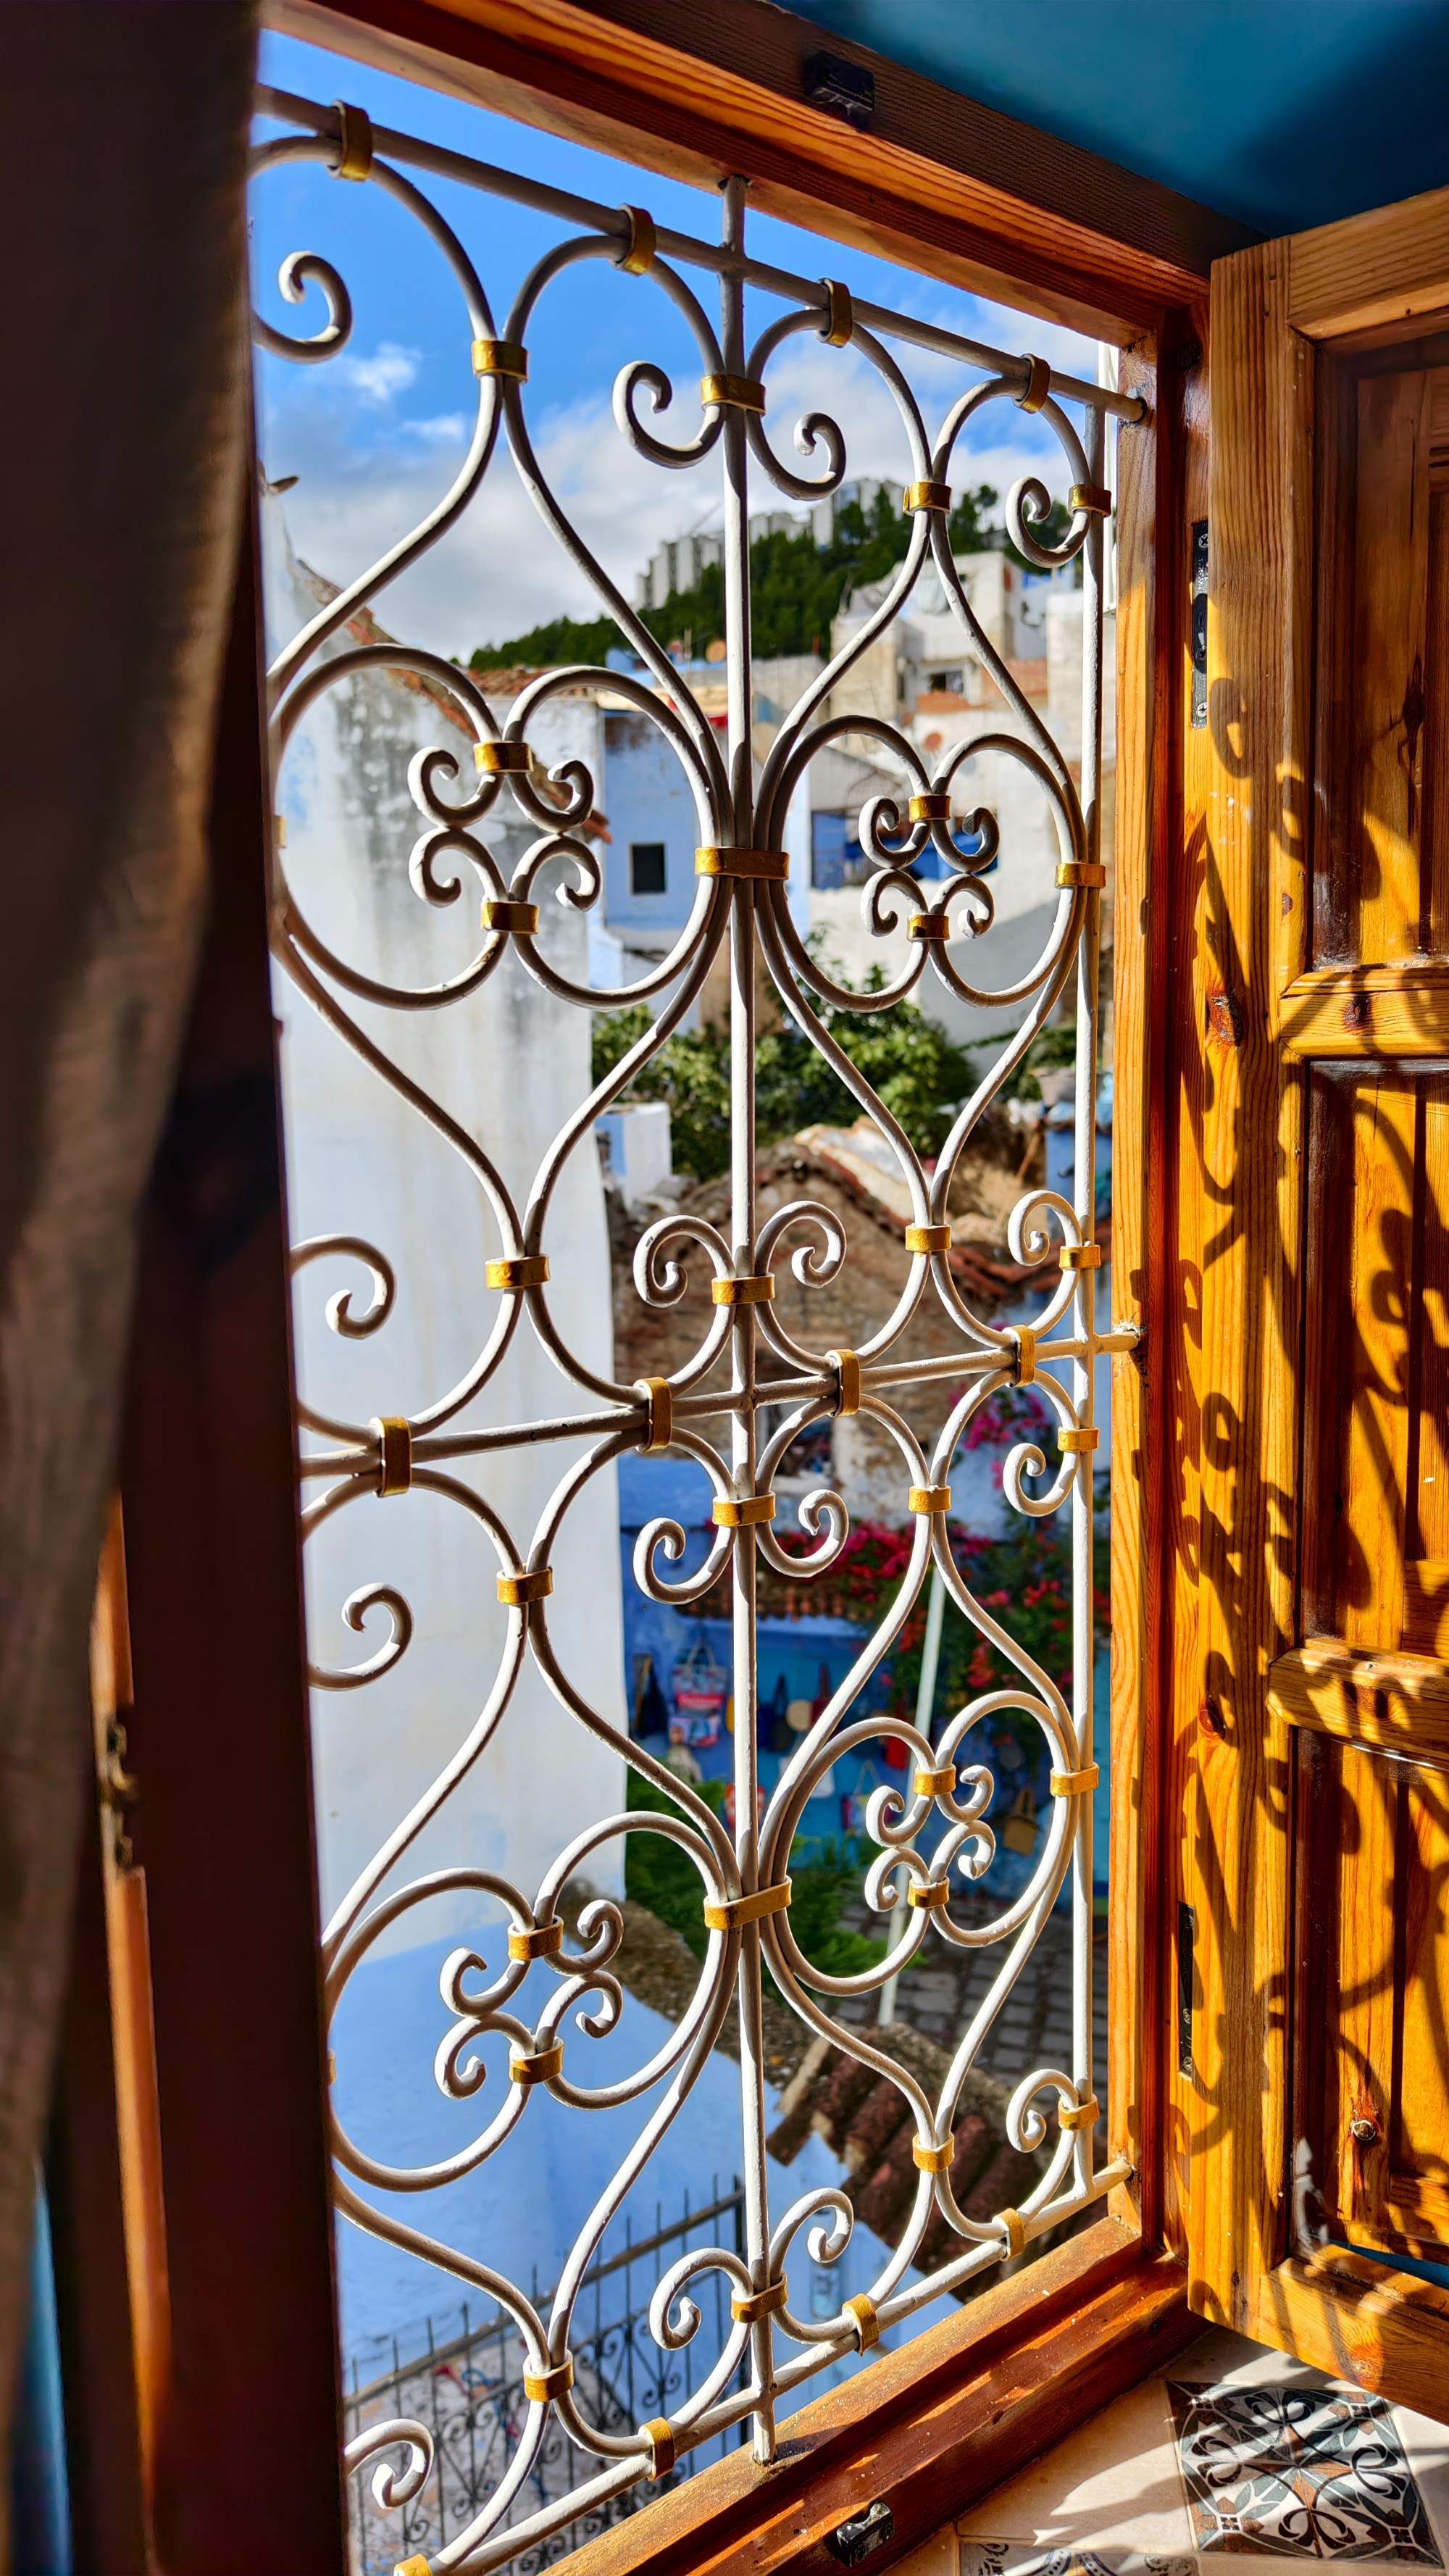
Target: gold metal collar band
(932, 929)
(847, 1369)
(395, 1453)
(930, 1899)
(643, 242)
(502, 756)
(930, 2157)
(760, 2303)
(928, 1238)
(936, 1784)
(1078, 1444)
(926, 496)
(659, 2434)
(1072, 873)
(1015, 2226)
(1025, 1355)
(658, 1394)
(1080, 2115)
(1038, 385)
(743, 1515)
(739, 1910)
(929, 1498)
(501, 358)
(733, 393)
(541, 2385)
(932, 808)
(515, 1591)
(521, 918)
(867, 2320)
(354, 132)
(520, 1270)
(715, 862)
(1081, 1256)
(757, 1288)
(537, 2069)
(1091, 496)
(841, 312)
(1074, 1784)
(540, 1941)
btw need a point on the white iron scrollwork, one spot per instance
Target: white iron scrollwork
(741, 903)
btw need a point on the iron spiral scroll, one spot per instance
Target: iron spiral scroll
(558, 1987)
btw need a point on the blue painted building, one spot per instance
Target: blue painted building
(676, 1663)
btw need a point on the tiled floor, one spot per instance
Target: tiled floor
(1231, 2454)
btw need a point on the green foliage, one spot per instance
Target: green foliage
(657, 1874)
(561, 639)
(796, 589)
(920, 1074)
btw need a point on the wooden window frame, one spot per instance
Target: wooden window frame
(961, 192)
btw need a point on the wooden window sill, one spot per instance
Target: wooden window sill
(932, 2427)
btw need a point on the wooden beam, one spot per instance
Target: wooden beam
(1387, 1703)
(1360, 2321)
(1371, 270)
(248, 2473)
(1345, 1011)
(1250, 940)
(104, 2407)
(930, 2428)
(939, 182)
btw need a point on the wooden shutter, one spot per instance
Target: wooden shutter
(1310, 2036)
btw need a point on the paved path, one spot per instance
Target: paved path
(1034, 2026)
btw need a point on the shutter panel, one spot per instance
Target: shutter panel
(1314, 2092)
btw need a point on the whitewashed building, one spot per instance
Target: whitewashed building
(509, 1064)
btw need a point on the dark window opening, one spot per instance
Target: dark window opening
(646, 867)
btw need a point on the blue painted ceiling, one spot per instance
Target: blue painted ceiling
(1283, 112)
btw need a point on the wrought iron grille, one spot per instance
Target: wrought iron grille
(467, 2387)
(747, 1360)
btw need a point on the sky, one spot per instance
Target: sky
(375, 434)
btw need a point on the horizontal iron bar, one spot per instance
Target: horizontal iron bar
(290, 109)
(436, 1446)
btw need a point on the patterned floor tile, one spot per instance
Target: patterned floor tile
(1024, 2558)
(1298, 2473)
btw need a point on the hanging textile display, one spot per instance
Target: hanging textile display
(701, 1687)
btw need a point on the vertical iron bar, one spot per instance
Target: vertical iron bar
(925, 1704)
(1084, 1371)
(742, 1120)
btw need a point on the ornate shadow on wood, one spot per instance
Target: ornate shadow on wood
(741, 899)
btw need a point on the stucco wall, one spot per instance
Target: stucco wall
(509, 1063)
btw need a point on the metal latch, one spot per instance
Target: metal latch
(863, 2534)
(1199, 597)
(845, 89)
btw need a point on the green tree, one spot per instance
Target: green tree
(796, 590)
(920, 1074)
(659, 1875)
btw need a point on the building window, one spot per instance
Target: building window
(836, 857)
(646, 867)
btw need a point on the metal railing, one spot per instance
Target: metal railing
(747, 1357)
(467, 2389)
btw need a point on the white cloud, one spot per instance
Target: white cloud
(382, 377)
(500, 570)
(449, 429)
